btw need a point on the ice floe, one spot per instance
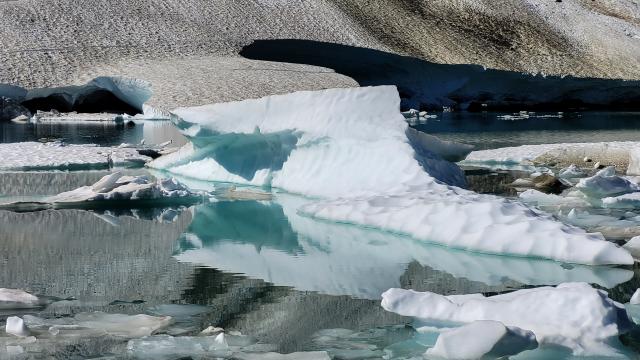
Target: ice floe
(572, 315)
(60, 156)
(18, 299)
(483, 339)
(139, 191)
(605, 183)
(633, 246)
(16, 326)
(572, 172)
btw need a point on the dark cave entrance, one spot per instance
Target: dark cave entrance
(94, 101)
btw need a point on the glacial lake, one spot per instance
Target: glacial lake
(260, 268)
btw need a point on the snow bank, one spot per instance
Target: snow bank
(329, 143)
(353, 145)
(572, 315)
(59, 156)
(481, 339)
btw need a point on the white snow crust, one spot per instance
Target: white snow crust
(572, 315)
(353, 146)
(58, 156)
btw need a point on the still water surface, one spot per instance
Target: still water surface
(257, 267)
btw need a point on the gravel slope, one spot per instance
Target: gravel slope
(59, 42)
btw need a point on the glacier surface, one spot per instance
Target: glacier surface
(353, 148)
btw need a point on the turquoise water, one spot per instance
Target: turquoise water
(258, 267)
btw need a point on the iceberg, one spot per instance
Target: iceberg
(572, 315)
(353, 148)
(483, 339)
(18, 299)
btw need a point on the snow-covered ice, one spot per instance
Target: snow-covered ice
(59, 156)
(634, 161)
(358, 151)
(626, 201)
(572, 315)
(483, 339)
(605, 183)
(117, 187)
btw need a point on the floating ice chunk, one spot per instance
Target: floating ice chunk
(14, 298)
(55, 155)
(626, 201)
(633, 246)
(116, 187)
(635, 299)
(16, 326)
(550, 312)
(539, 198)
(169, 347)
(480, 339)
(474, 222)
(605, 183)
(129, 326)
(571, 172)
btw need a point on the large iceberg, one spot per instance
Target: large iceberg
(571, 315)
(353, 147)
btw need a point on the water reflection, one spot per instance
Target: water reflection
(153, 132)
(489, 130)
(271, 241)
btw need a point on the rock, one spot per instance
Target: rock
(598, 166)
(587, 159)
(549, 183)
(16, 326)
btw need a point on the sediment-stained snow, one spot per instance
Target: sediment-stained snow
(572, 315)
(60, 156)
(562, 153)
(353, 146)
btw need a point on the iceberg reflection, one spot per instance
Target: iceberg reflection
(271, 241)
